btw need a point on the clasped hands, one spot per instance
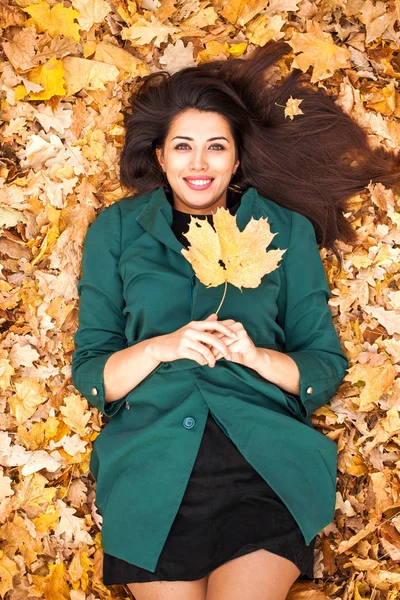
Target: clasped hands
(242, 349)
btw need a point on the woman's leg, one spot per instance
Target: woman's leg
(169, 590)
(259, 575)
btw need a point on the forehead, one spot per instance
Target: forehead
(199, 124)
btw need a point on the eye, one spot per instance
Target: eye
(218, 146)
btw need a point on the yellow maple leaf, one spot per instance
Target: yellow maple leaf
(56, 20)
(75, 413)
(243, 254)
(317, 49)
(51, 77)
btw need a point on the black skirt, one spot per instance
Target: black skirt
(227, 510)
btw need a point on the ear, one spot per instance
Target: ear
(160, 156)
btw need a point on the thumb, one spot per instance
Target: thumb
(212, 317)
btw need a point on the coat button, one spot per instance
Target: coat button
(189, 422)
(94, 391)
(309, 390)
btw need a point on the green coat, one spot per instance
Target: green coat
(135, 285)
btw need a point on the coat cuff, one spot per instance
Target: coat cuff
(88, 380)
(319, 381)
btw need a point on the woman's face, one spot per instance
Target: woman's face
(199, 147)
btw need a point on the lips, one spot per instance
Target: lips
(196, 186)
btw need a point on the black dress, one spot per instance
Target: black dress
(227, 510)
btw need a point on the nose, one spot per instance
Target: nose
(199, 161)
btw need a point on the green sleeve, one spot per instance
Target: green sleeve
(311, 338)
(101, 321)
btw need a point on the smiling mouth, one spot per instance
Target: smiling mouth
(199, 184)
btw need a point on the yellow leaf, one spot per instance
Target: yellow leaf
(20, 92)
(239, 12)
(358, 468)
(88, 74)
(243, 254)
(317, 49)
(237, 50)
(144, 32)
(8, 569)
(264, 28)
(19, 537)
(378, 381)
(40, 433)
(75, 413)
(122, 59)
(213, 48)
(29, 394)
(31, 493)
(6, 372)
(91, 11)
(46, 520)
(51, 77)
(55, 584)
(57, 20)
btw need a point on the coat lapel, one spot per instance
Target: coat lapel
(157, 217)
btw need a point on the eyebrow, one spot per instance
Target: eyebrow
(184, 137)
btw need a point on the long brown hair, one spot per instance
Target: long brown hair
(312, 164)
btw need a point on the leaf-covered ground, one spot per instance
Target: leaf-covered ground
(67, 72)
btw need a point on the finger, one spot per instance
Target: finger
(210, 339)
(205, 352)
(219, 326)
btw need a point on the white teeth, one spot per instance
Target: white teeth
(199, 181)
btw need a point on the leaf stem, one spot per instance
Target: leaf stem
(220, 304)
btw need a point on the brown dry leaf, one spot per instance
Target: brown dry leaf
(243, 254)
(10, 16)
(20, 51)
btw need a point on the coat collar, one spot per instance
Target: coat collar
(156, 217)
